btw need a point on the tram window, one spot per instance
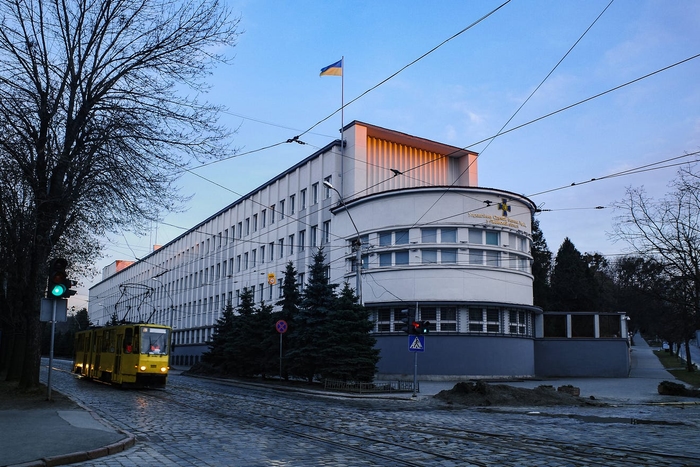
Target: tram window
(128, 340)
(154, 340)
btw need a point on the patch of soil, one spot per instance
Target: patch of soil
(481, 394)
(14, 398)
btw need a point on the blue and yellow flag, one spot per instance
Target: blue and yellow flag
(335, 69)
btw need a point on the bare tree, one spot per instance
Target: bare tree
(668, 231)
(100, 112)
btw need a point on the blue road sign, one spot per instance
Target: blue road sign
(416, 343)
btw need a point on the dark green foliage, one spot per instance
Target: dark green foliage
(329, 335)
(304, 357)
(571, 284)
(347, 347)
(541, 267)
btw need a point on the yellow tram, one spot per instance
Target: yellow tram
(128, 355)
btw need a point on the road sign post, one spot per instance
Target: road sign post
(281, 327)
(416, 344)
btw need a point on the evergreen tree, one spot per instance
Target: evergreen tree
(571, 287)
(541, 267)
(291, 299)
(305, 351)
(266, 346)
(220, 339)
(348, 352)
(240, 351)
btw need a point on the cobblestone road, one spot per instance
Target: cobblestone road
(196, 422)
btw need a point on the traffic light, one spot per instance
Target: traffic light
(407, 321)
(422, 327)
(59, 284)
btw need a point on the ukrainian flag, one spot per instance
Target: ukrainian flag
(335, 69)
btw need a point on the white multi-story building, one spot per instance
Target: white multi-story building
(431, 241)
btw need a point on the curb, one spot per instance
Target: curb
(82, 456)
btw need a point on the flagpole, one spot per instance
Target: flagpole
(342, 123)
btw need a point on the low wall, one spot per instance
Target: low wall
(456, 357)
(602, 358)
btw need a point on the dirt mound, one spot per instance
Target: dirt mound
(481, 394)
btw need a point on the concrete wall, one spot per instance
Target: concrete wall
(455, 357)
(602, 358)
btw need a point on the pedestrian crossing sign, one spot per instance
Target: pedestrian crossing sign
(416, 343)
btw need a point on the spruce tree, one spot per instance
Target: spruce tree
(541, 267)
(305, 353)
(291, 298)
(348, 352)
(223, 334)
(240, 351)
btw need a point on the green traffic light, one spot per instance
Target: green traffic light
(58, 290)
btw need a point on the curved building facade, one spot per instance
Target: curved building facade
(431, 241)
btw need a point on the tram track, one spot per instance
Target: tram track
(391, 439)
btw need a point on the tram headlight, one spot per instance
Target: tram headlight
(163, 369)
(143, 368)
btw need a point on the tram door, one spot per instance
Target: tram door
(98, 352)
(118, 359)
(87, 349)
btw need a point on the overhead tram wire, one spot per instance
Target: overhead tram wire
(632, 171)
(405, 67)
(518, 109)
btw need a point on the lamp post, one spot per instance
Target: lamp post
(357, 243)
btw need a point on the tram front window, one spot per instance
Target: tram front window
(154, 341)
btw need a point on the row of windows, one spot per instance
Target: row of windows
(454, 319)
(582, 326)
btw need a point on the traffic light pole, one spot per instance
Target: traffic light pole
(53, 332)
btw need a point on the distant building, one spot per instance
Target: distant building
(432, 241)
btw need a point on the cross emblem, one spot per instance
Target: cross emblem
(504, 207)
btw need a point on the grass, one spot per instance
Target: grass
(676, 367)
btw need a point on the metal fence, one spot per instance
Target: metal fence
(373, 387)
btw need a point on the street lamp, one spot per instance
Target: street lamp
(357, 243)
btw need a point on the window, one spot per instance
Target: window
(448, 235)
(384, 320)
(292, 204)
(326, 231)
(428, 235)
(300, 282)
(401, 237)
(281, 209)
(271, 253)
(272, 214)
(252, 258)
(302, 199)
(401, 258)
(448, 318)
(476, 256)
(429, 256)
(492, 237)
(255, 222)
(263, 218)
(281, 247)
(245, 260)
(448, 256)
(475, 236)
(493, 258)
(247, 226)
(238, 263)
(314, 193)
(327, 190)
(291, 244)
(493, 323)
(261, 290)
(429, 314)
(385, 238)
(476, 320)
(226, 237)
(385, 259)
(262, 254)
(302, 240)
(240, 229)
(314, 235)
(517, 323)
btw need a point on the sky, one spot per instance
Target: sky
(463, 86)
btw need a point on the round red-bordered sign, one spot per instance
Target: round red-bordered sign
(281, 326)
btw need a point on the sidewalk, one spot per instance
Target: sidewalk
(56, 434)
